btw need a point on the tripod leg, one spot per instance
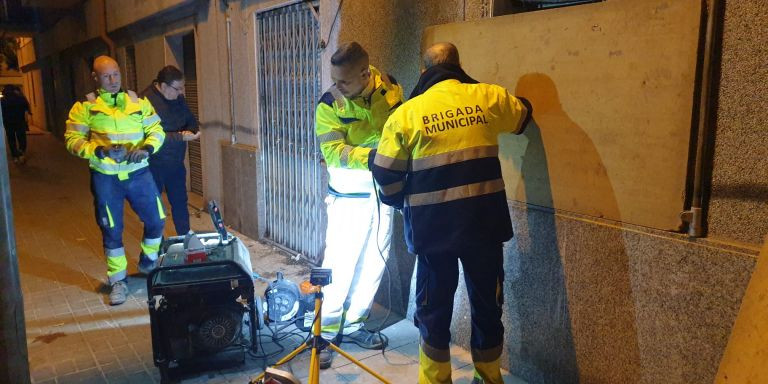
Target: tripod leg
(314, 367)
(358, 363)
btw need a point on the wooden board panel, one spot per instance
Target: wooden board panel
(612, 86)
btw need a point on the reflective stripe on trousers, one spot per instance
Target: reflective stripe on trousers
(353, 256)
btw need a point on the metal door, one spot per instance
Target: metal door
(289, 79)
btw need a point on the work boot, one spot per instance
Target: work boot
(119, 293)
(325, 358)
(146, 265)
(366, 339)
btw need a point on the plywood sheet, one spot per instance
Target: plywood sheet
(612, 86)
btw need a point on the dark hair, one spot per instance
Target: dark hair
(169, 74)
(349, 53)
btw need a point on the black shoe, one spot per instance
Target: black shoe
(325, 358)
(366, 339)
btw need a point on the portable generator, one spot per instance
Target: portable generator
(202, 307)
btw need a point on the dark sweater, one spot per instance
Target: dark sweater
(175, 117)
(14, 108)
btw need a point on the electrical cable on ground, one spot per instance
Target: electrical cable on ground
(381, 326)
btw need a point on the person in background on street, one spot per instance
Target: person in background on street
(348, 123)
(166, 93)
(116, 131)
(15, 110)
(437, 160)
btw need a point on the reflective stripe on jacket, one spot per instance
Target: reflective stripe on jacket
(106, 120)
(438, 160)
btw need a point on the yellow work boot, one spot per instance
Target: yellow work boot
(434, 365)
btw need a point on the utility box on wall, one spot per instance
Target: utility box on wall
(612, 86)
(239, 165)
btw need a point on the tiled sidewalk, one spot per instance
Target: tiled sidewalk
(74, 336)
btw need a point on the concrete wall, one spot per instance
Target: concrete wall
(391, 30)
(150, 57)
(737, 209)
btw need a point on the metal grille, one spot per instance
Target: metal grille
(195, 155)
(289, 78)
(190, 82)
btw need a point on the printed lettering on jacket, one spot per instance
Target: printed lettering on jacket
(460, 117)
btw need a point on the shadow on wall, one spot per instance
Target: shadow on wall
(569, 306)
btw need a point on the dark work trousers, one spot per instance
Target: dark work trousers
(17, 138)
(437, 277)
(172, 177)
(109, 193)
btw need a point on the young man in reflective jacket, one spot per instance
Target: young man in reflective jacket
(438, 161)
(116, 132)
(348, 123)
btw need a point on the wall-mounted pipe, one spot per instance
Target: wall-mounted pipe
(233, 127)
(103, 29)
(694, 216)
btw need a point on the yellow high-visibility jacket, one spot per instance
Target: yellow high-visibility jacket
(347, 129)
(438, 160)
(103, 120)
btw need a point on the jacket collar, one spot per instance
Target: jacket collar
(439, 73)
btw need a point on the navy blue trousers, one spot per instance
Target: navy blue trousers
(172, 177)
(109, 194)
(437, 277)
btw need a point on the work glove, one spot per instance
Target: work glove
(99, 152)
(371, 156)
(139, 154)
(115, 152)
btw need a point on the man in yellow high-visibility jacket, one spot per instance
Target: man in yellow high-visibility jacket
(348, 123)
(116, 132)
(438, 161)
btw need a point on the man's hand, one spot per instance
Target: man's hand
(117, 152)
(138, 154)
(189, 136)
